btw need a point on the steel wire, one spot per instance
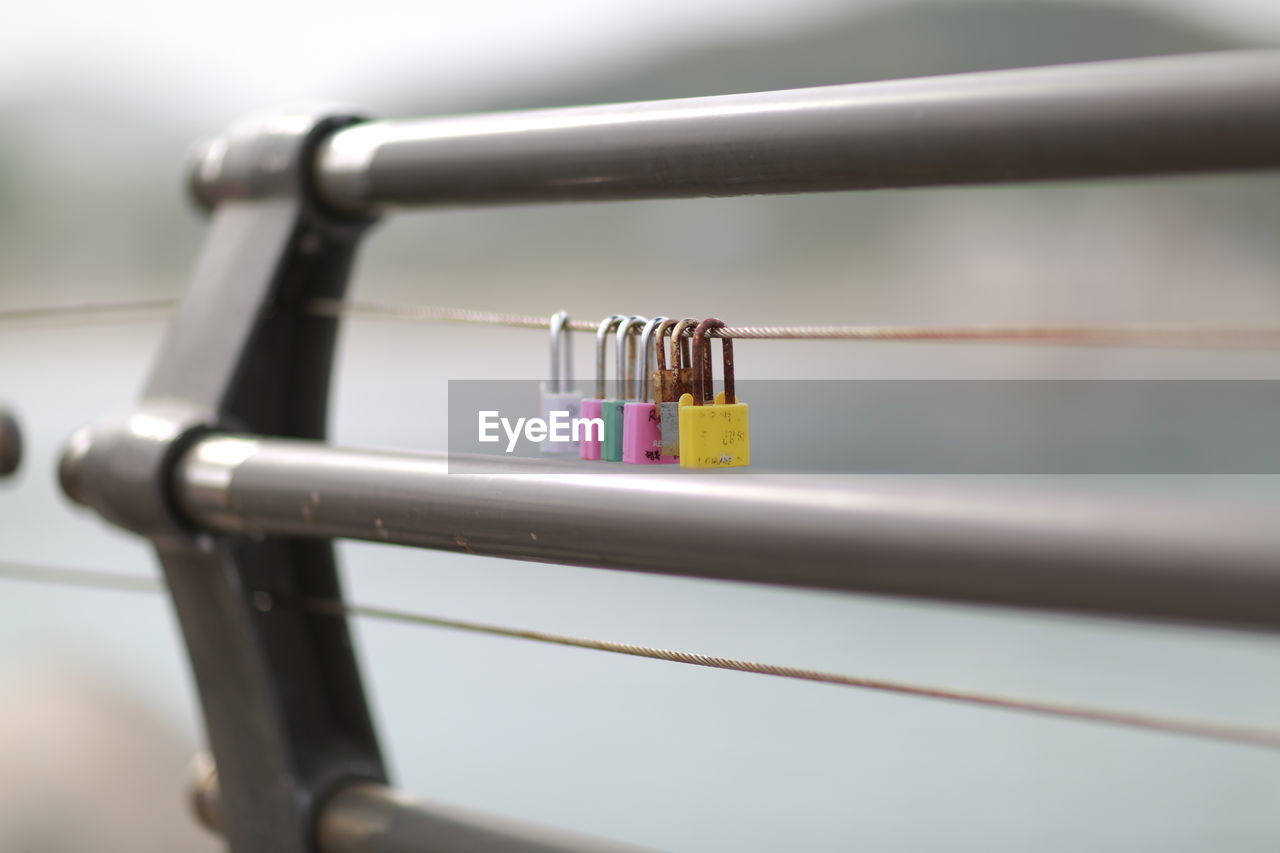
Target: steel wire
(1215, 337)
(1225, 732)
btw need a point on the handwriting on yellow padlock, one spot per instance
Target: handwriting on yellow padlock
(714, 433)
(715, 436)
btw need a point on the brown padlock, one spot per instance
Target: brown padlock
(670, 383)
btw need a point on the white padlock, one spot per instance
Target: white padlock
(560, 394)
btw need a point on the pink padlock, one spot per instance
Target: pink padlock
(641, 434)
(592, 408)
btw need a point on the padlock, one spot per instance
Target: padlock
(672, 383)
(713, 434)
(560, 394)
(612, 408)
(641, 435)
(591, 442)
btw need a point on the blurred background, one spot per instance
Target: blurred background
(99, 103)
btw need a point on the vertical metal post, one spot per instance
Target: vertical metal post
(10, 443)
(283, 702)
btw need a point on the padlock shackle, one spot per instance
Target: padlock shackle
(702, 379)
(561, 354)
(625, 352)
(680, 356)
(602, 342)
(650, 345)
(660, 353)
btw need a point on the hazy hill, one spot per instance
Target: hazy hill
(909, 39)
(857, 232)
(92, 193)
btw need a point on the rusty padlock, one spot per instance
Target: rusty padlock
(672, 383)
(714, 432)
(641, 436)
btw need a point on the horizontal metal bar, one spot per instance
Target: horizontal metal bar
(368, 818)
(374, 819)
(1193, 113)
(1200, 563)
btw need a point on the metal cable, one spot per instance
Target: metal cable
(87, 578)
(88, 312)
(1269, 738)
(1257, 337)
(1227, 337)
(118, 581)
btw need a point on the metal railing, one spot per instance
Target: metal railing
(1028, 548)
(221, 463)
(1153, 116)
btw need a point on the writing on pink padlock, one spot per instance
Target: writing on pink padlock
(641, 433)
(592, 440)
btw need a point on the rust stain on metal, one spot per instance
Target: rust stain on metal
(670, 382)
(703, 389)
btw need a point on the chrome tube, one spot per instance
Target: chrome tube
(376, 819)
(369, 818)
(1192, 113)
(1077, 553)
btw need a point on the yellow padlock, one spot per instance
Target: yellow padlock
(713, 433)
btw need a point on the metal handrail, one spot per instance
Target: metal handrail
(291, 193)
(364, 818)
(1209, 112)
(1194, 562)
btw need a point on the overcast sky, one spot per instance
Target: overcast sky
(236, 54)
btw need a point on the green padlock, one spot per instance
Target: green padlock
(626, 389)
